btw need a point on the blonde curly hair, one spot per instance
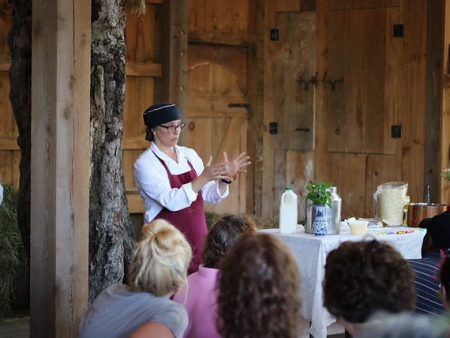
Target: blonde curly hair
(161, 259)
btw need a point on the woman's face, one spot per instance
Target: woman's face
(167, 134)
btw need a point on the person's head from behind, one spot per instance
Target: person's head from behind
(364, 277)
(161, 260)
(222, 235)
(438, 233)
(258, 289)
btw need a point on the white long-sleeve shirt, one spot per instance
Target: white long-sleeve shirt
(154, 186)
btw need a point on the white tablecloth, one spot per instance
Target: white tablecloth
(311, 251)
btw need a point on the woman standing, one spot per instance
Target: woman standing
(173, 181)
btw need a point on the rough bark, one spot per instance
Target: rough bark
(19, 41)
(110, 229)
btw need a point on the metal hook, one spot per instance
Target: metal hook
(326, 80)
(306, 83)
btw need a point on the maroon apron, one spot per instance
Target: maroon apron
(190, 221)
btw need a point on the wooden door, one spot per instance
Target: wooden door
(220, 38)
(216, 119)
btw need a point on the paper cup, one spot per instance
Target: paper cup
(358, 227)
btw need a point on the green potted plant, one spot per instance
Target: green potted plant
(445, 173)
(318, 205)
(319, 193)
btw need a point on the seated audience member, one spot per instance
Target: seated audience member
(362, 278)
(259, 292)
(444, 275)
(403, 325)
(199, 295)
(426, 282)
(158, 269)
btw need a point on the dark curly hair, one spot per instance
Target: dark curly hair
(259, 290)
(222, 236)
(364, 277)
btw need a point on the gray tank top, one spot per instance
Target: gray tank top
(118, 312)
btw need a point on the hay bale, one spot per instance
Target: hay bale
(10, 248)
(260, 222)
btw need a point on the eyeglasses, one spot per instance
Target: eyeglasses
(173, 128)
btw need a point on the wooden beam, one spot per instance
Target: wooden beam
(174, 53)
(445, 135)
(435, 69)
(343, 4)
(135, 68)
(59, 166)
(226, 39)
(255, 133)
(134, 143)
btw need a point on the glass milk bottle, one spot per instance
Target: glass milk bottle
(336, 205)
(288, 212)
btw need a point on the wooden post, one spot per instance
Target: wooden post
(435, 69)
(59, 166)
(174, 46)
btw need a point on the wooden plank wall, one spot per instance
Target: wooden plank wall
(375, 157)
(9, 151)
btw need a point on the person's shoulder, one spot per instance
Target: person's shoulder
(170, 308)
(145, 157)
(152, 329)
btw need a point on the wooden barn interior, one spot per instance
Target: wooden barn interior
(352, 92)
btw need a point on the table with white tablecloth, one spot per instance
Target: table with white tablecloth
(311, 251)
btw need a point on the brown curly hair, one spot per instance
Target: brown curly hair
(222, 236)
(259, 290)
(364, 277)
